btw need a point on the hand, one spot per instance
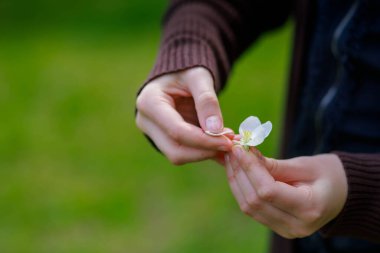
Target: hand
(294, 197)
(174, 108)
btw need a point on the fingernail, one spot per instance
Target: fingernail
(213, 124)
(237, 151)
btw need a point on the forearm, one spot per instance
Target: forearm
(360, 215)
(213, 34)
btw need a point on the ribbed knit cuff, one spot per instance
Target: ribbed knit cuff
(184, 53)
(360, 216)
(192, 38)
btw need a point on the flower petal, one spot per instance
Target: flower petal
(268, 128)
(260, 133)
(249, 124)
(257, 137)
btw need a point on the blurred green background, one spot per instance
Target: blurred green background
(76, 174)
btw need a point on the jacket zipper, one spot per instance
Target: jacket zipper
(332, 91)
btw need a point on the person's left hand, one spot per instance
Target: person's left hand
(293, 197)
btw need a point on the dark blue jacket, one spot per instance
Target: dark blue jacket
(339, 103)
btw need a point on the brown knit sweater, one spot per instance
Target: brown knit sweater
(213, 34)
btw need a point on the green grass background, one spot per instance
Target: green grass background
(76, 174)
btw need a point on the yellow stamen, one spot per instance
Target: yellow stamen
(246, 136)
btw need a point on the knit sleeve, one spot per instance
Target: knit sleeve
(360, 216)
(213, 33)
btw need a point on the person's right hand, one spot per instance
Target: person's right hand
(175, 109)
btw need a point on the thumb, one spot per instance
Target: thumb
(275, 167)
(288, 170)
(206, 101)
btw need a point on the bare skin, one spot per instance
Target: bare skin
(176, 109)
(293, 197)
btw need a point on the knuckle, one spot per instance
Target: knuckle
(258, 217)
(174, 133)
(178, 162)
(196, 72)
(176, 159)
(202, 155)
(247, 163)
(208, 98)
(303, 232)
(290, 234)
(231, 178)
(286, 235)
(274, 166)
(266, 193)
(253, 202)
(300, 232)
(312, 216)
(245, 208)
(138, 121)
(141, 102)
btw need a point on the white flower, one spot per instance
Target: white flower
(252, 132)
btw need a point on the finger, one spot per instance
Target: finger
(206, 102)
(177, 154)
(261, 210)
(230, 135)
(290, 170)
(253, 163)
(170, 121)
(246, 187)
(291, 199)
(237, 137)
(283, 196)
(219, 158)
(244, 207)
